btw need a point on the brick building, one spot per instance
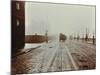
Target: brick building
(17, 25)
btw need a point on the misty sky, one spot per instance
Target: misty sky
(59, 18)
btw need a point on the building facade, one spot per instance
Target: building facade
(17, 25)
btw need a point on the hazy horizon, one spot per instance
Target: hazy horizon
(59, 18)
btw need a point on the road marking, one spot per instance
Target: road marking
(73, 62)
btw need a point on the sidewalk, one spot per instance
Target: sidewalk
(28, 48)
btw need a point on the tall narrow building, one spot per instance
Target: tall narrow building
(17, 25)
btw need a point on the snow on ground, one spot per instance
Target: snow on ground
(31, 45)
(54, 56)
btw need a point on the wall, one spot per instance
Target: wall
(34, 38)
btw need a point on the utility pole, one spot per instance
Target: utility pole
(93, 39)
(86, 37)
(46, 36)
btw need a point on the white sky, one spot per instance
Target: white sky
(57, 18)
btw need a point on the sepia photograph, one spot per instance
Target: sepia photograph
(52, 37)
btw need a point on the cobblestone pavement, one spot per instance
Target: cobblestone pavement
(56, 56)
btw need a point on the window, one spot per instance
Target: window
(17, 22)
(17, 6)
